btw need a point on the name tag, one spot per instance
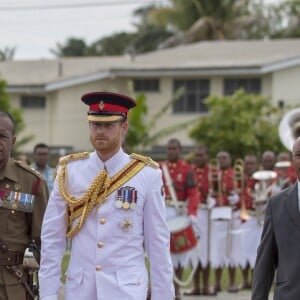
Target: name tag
(16, 200)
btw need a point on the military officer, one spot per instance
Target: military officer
(23, 199)
(115, 208)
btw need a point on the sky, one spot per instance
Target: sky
(34, 27)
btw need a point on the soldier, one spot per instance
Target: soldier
(40, 163)
(222, 250)
(203, 170)
(180, 188)
(23, 200)
(115, 208)
(268, 160)
(286, 175)
(250, 228)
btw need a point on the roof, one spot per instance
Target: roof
(202, 58)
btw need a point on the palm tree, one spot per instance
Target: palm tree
(198, 20)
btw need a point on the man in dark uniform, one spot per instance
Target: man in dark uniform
(23, 199)
(278, 252)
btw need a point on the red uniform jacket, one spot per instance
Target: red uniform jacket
(204, 179)
(226, 187)
(184, 183)
(247, 192)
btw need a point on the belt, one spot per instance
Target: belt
(11, 258)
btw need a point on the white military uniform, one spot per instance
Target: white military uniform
(107, 258)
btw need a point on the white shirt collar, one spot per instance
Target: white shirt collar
(115, 163)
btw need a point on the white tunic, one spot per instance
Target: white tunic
(252, 230)
(107, 259)
(203, 221)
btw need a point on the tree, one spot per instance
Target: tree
(199, 20)
(17, 115)
(138, 137)
(72, 47)
(240, 124)
(115, 44)
(149, 34)
(285, 19)
(7, 53)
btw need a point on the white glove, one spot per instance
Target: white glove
(233, 199)
(211, 202)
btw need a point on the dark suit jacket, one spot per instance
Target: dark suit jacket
(279, 249)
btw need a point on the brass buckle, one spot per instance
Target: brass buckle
(19, 273)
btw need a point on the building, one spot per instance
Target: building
(48, 91)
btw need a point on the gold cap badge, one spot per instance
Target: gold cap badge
(101, 105)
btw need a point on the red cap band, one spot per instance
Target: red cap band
(107, 107)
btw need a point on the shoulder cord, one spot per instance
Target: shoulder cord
(96, 194)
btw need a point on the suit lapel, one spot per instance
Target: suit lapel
(291, 203)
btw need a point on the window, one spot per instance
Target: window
(194, 94)
(146, 85)
(33, 101)
(250, 85)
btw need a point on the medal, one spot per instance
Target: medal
(132, 205)
(126, 205)
(119, 199)
(133, 199)
(126, 224)
(118, 203)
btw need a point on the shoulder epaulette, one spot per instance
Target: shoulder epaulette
(74, 156)
(29, 169)
(146, 159)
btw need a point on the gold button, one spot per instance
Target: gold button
(102, 221)
(98, 268)
(100, 244)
